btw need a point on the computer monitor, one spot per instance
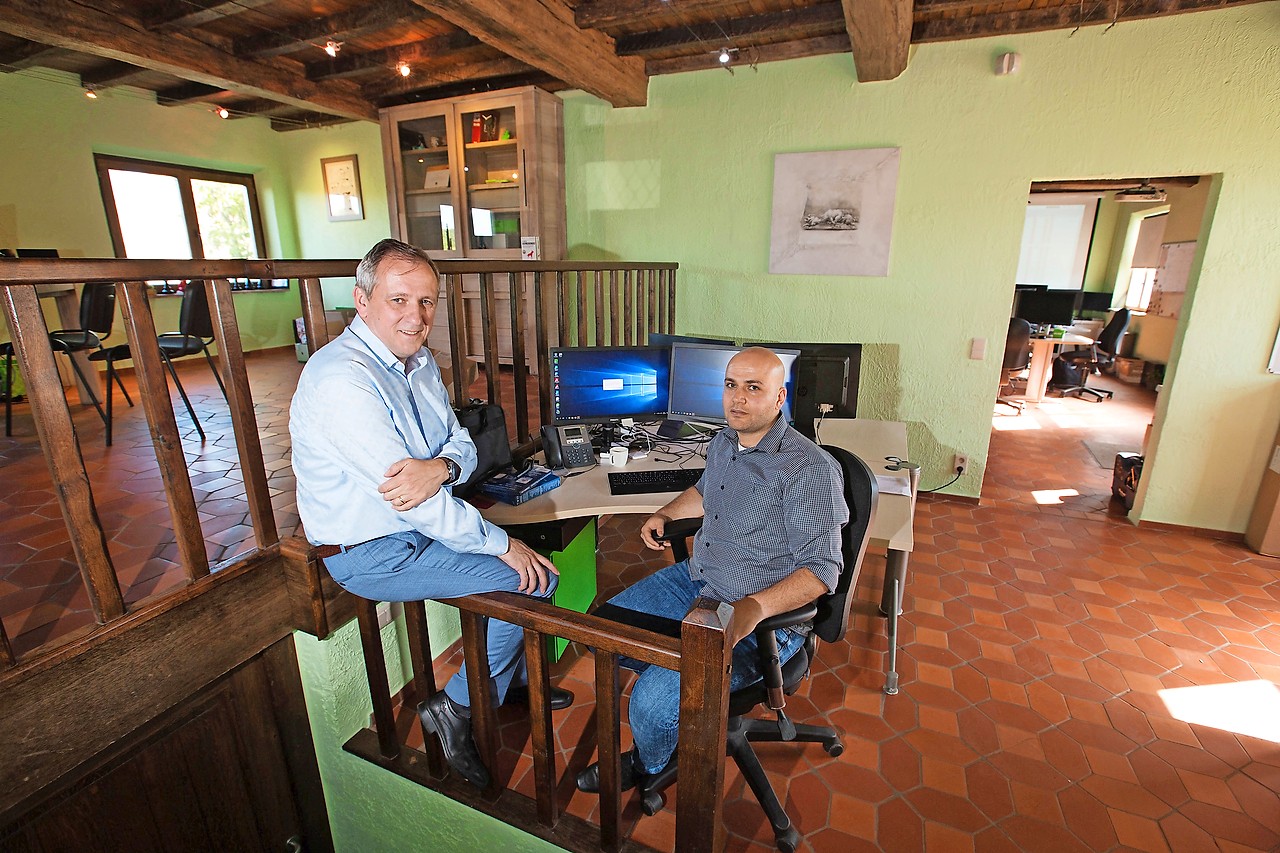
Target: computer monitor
(37, 253)
(823, 373)
(1047, 307)
(602, 384)
(657, 339)
(697, 381)
(1096, 301)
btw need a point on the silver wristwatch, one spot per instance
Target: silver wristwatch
(454, 470)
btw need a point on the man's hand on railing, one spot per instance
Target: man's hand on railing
(531, 566)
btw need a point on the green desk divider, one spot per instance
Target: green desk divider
(577, 589)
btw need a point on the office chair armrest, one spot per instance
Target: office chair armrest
(789, 619)
(679, 528)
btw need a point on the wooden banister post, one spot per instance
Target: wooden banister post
(484, 728)
(540, 729)
(313, 313)
(704, 706)
(423, 686)
(375, 666)
(608, 699)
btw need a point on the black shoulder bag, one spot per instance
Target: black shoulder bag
(488, 427)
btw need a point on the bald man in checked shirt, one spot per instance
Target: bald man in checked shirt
(772, 504)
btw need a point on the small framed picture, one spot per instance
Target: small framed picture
(342, 187)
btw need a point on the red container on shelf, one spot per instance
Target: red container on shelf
(477, 127)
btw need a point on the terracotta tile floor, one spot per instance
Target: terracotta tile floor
(1069, 681)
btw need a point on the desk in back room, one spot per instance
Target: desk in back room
(1043, 351)
(587, 494)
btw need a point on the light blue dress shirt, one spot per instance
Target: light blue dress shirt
(356, 412)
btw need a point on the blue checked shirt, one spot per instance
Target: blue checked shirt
(768, 511)
(356, 412)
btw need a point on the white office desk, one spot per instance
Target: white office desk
(1043, 351)
(588, 494)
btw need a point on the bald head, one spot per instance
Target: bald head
(754, 390)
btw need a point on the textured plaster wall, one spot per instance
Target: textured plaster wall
(689, 178)
(370, 809)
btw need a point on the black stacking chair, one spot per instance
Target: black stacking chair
(1098, 357)
(195, 333)
(828, 616)
(97, 315)
(1017, 357)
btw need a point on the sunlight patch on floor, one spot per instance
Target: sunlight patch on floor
(1245, 708)
(1045, 497)
(1013, 424)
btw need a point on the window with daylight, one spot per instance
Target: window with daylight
(165, 211)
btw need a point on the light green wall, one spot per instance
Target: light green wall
(49, 194)
(689, 178)
(370, 809)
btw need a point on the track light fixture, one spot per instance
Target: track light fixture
(724, 56)
(221, 112)
(403, 68)
(332, 47)
(90, 93)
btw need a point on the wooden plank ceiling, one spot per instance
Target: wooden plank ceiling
(267, 57)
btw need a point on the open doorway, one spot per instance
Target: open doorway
(1095, 253)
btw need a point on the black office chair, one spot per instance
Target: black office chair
(97, 315)
(195, 333)
(1096, 358)
(1017, 358)
(828, 616)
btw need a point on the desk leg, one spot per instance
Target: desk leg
(895, 579)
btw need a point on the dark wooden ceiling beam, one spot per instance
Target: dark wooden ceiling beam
(183, 14)
(789, 26)
(344, 25)
(542, 34)
(1062, 17)
(187, 93)
(880, 32)
(72, 25)
(360, 64)
(113, 74)
(442, 72)
(605, 14)
(819, 46)
(28, 55)
(464, 88)
(1108, 184)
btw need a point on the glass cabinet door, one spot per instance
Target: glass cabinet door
(429, 210)
(493, 175)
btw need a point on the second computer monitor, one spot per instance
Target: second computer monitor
(697, 381)
(658, 339)
(1048, 307)
(600, 384)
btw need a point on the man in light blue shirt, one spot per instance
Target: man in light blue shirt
(376, 449)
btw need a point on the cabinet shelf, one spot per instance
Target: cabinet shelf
(444, 191)
(495, 143)
(439, 149)
(505, 185)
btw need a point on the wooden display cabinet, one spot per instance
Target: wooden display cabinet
(469, 178)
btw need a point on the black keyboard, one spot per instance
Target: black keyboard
(647, 482)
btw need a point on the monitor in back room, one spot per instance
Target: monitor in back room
(697, 380)
(823, 374)
(599, 384)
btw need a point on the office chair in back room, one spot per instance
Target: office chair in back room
(828, 615)
(1017, 358)
(1101, 355)
(195, 333)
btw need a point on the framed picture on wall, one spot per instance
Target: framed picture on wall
(342, 187)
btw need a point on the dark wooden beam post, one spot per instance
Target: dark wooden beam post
(484, 728)
(614, 318)
(608, 716)
(235, 376)
(519, 370)
(540, 729)
(313, 314)
(375, 667)
(458, 358)
(62, 450)
(423, 686)
(598, 293)
(582, 309)
(488, 312)
(153, 386)
(704, 706)
(540, 285)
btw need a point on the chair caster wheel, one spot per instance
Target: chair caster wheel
(788, 840)
(833, 748)
(652, 803)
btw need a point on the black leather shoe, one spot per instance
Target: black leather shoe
(441, 717)
(632, 773)
(519, 695)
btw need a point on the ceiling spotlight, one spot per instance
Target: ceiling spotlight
(331, 47)
(724, 56)
(403, 68)
(90, 93)
(222, 112)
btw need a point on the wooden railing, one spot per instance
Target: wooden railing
(574, 304)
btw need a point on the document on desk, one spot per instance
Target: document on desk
(893, 485)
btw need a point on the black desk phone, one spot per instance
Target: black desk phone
(567, 447)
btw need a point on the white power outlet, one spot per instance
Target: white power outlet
(960, 463)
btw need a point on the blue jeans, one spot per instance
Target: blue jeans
(411, 567)
(654, 712)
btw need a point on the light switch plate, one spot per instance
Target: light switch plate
(978, 349)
